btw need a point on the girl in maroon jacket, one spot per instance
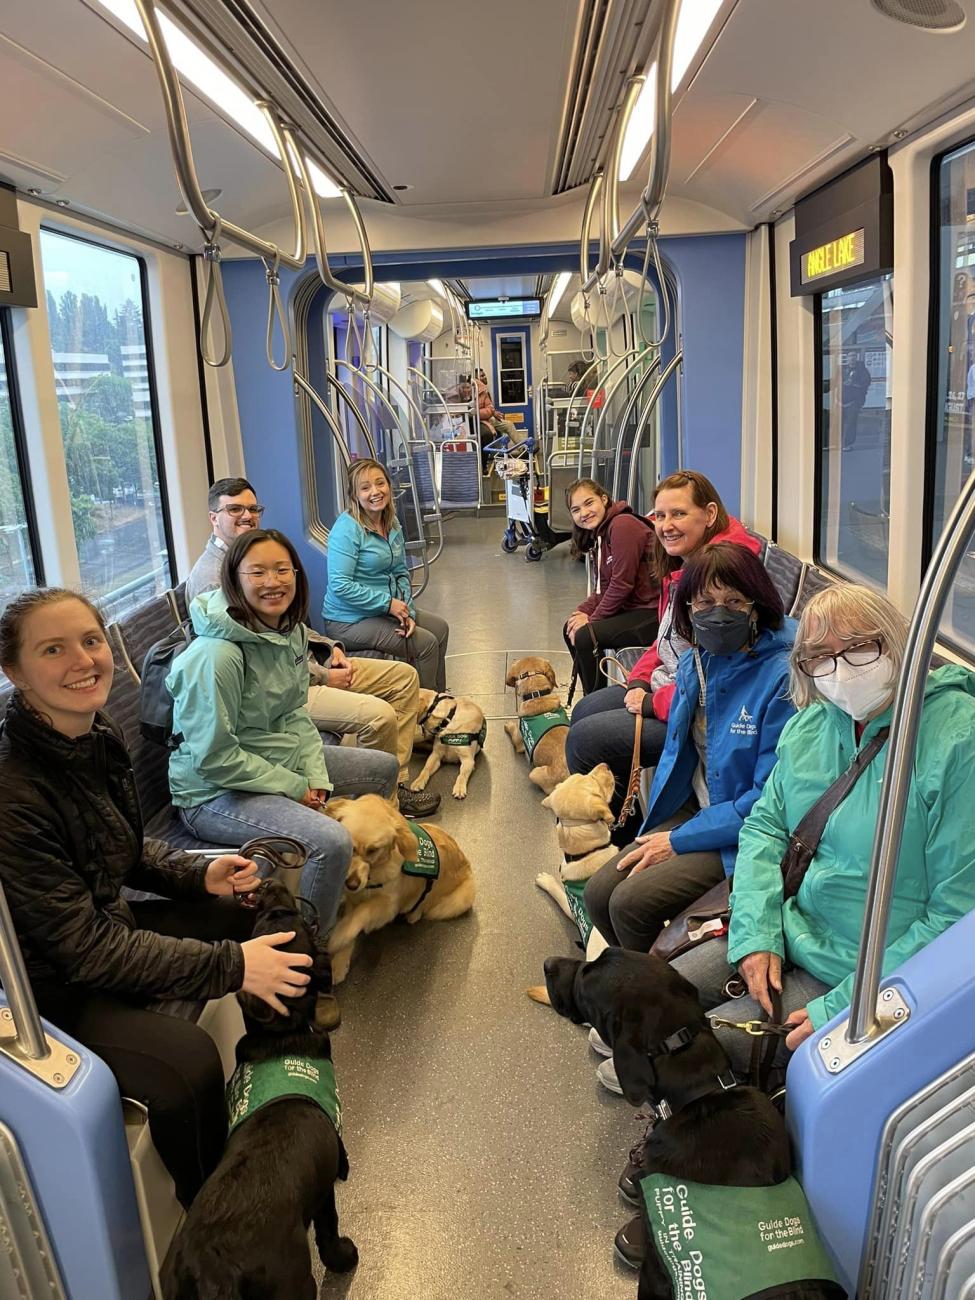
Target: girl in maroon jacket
(622, 610)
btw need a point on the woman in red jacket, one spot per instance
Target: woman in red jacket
(687, 515)
(622, 610)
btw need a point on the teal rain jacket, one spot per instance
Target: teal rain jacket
(239, 704)
(819, 929)
(365, 572)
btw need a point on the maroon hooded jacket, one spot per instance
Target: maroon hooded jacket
(624, 581)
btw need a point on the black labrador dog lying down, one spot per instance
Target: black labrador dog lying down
(710, 1134)
(246, 1234)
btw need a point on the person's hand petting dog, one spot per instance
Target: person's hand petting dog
(270, 974)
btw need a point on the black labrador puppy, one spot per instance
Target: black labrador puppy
(246, 1233)
(709, 1129)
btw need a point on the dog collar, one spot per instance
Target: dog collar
(536, 695)
(577, 857)
(669, 1046)
(441, 695)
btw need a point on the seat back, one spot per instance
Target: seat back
(179, 598)
(812, 582)
(144, 626)
(763, 543)
(150, 762)
(785, 570)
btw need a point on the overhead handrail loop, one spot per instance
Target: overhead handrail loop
(363, 295)
(214, 295)
(658, 388)
(895, 789)
(275, 307)
(29, 1031)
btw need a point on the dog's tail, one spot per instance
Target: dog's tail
(539, 993)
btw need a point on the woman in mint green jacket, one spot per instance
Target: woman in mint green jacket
(250, 760)
(368, 601)
(845, 665)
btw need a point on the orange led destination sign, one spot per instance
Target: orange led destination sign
(828, 259)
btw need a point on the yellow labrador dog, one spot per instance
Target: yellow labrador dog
(456, 729)
(397, 869)
(543, 723)
(584, 821)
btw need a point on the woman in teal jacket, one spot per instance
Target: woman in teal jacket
(368, 602)
(845, 665)
(250, 760)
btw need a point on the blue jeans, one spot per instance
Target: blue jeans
(601, 730)
(233, 817)
(706, 966)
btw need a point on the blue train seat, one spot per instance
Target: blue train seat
(785, 570)
(837, 1120)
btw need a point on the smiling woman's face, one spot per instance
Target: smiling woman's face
(65, 666)
(681, 525)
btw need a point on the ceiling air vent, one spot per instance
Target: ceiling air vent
(929, 15)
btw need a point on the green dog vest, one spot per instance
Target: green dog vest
(463, 737)
(259, 1083)
(533, 729)
(427, 862)
(724, 1243)
(574, 890)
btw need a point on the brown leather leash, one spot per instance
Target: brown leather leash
(633, 788)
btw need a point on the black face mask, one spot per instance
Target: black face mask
(722, 631)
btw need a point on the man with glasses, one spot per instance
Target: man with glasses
(375, 700)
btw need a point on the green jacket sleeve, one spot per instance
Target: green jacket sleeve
(344, 543)
(949, 868)
(756, 899)
(310, 744)
(209, 705)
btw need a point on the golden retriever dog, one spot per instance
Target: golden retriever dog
(539, 709)
(584, 822)
(378, 889)
(455, 727)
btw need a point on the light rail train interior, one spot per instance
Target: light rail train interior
(489, 250)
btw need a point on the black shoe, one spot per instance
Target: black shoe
(631, 1243)
(417, 803)
(629, 1180)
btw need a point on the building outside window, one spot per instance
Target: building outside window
(17, 570)
(96, 310)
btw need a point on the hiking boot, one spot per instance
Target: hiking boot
(417, 803)
(629, 1180)
(631, 1243)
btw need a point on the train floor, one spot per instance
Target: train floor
(484, 1153)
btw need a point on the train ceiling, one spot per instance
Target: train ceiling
(491, 115)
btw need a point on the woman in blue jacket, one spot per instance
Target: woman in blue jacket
(731, 703)
(368, 602)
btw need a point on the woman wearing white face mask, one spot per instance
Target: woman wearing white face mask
(844, 670)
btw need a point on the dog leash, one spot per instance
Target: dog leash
(633, 787)
(770, 1029)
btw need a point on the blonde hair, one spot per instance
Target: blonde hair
(844, 610)
(355, 508)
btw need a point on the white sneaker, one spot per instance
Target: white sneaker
(598, 1045)
(606, 1074)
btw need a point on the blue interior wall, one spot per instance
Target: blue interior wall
(710, 271)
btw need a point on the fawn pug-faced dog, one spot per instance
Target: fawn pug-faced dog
(379, 885)
(709, 1130)
(583, 820)
(246, 1233)
(455, 727)
(539, 710)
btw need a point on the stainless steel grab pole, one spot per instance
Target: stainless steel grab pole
(658, 388)
(631, 359)
(653, 366)
(905, 722)
(20, 998)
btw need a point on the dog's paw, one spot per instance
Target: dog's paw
(341, 1255)
(459, 794)
(546, 881)
(418, 784)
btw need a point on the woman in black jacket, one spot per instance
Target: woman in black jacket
(70, 838)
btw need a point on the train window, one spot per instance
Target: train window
(96, 304)
(951, 420)
(17, 567)
(854, 344)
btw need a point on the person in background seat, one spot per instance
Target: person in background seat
(70, 838)
(375, 700)
(250, 760)
(368, 600)
(622, 610)
(688, 515)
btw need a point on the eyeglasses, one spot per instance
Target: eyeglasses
(235, 512)
(736, 604)
(281, 571)
(857, 656)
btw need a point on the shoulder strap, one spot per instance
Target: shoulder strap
(810, 829)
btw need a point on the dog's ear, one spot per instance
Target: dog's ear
(598, 810)
(407, 845)
(549, 672)
(321, 970)
(256, 1009)
(633, 1066)
(546, 802)
(335, 808)
(604, 778)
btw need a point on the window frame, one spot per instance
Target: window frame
(150, 372)
(20, 445)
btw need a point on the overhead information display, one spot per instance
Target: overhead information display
(492, 308)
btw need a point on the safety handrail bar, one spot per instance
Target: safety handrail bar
(675, 361)
(648, 208)
(580, 390)
(632, 358)
(28, 1030)
(624, 418)
(363, 295)
(595, 186)
(302, 384)
(340, 389)
(600, 389)
(611, 188)
(905, 721)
